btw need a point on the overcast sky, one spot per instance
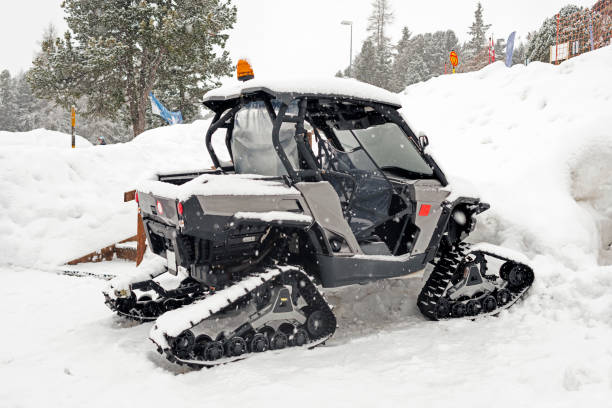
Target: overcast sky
(293, 37)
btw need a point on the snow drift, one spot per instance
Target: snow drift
(60, 203)
(536, 143)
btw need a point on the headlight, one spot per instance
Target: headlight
(459, 217)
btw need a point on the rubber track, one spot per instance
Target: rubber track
(136, 313)
(309, 293)
(444, 270)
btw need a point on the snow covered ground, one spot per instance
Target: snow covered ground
(533, 141)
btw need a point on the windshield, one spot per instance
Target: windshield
(389, 147)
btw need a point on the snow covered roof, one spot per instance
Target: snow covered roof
(291, 88)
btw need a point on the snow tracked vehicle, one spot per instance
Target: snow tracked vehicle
(326, 186)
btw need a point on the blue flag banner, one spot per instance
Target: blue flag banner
(160, 110)
(510, 49)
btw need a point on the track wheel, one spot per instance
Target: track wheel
(259, 343)
(300, 337)
(473, 307)
(126, 304)
(151, 309)
(443, 308)
(503, 297)
(519, 276)
(213, 350)
(236, 346)
(171, 304)
(458, 309)
(315, 324)
(183, 344)
(489, 304)
(200, 345)
(279, 341)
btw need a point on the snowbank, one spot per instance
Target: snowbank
(58, 203)
(536, 142)
(41, 138)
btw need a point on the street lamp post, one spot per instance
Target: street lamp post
(350, 23)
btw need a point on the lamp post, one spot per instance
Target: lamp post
(350, 23)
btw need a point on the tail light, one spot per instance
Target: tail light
(160, 208)
(179, 207)
(136, 198)
(424, 211)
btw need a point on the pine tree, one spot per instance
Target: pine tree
(421, 57)
(539, 43)
(520, 53)
(21, 111)
(475, 48)
(500, 49)
(7, 102)
(116, 52)
(417, 66)
(378, 23)
(363, 67)
(403, 54)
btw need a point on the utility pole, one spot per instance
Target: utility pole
(350, 23)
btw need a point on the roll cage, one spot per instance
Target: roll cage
(368, 198)
(318, 111)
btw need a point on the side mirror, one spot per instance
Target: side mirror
(423, 140)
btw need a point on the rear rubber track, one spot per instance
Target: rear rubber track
(239, 296)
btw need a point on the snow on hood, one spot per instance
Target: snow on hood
(307, 86)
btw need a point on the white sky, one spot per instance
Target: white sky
(297, 37)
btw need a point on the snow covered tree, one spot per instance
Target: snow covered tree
(363, 66)
(500, 49)
(117, 51)
(374, 62)
(421, 57)
(538, 46)
(403, 54)
(520, 53)
(21, 111)
(8, 109)
(378, 23)
(475, 48)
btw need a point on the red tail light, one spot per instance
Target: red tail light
(424, 211)
(160, 208)
(179, 207)
(136, 198)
